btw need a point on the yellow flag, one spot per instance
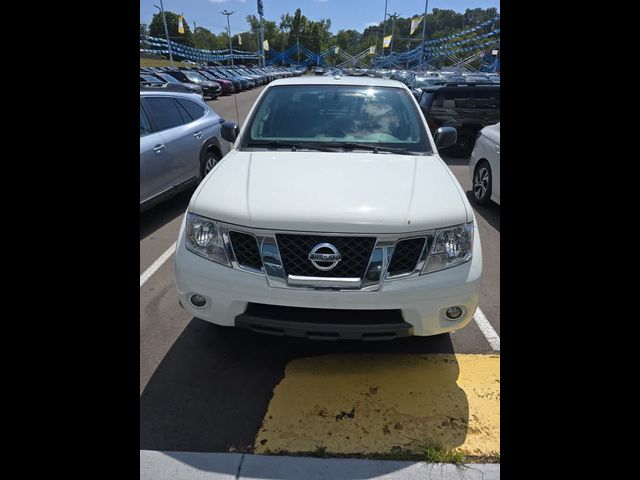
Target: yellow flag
(337, 50)
(239, 40)
(387, 41)
(180, 25)
(414, 24)
(372, 49)
(265, 45)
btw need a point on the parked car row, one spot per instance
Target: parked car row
(211, 81)
(413, 78)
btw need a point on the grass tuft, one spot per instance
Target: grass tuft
(320, 451)
(435, 452)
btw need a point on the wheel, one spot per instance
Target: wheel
(209, 161)
(482, 183)
(464, 145)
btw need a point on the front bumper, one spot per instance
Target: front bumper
(227, 87)
(422, 300)
(212, 91)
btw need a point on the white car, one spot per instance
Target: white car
(484, 165)
(332, 217)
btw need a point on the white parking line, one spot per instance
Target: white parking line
(157, 264)
(487, 330)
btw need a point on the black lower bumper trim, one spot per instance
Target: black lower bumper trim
(325, 324)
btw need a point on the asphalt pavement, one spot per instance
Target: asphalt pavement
(234, 466)
(205, 388)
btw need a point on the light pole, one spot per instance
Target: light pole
(166, 30)
(261, 46)
(264, 58)
(228, 14)
(384, 25)
(424, 31)
(393, 30)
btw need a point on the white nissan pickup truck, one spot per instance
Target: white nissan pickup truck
(332, 217)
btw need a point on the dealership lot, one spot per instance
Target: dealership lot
(207, 388)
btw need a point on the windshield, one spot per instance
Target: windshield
(149, 78)
(329, 114)
(194, 76)
(168, 78)
(427, 82)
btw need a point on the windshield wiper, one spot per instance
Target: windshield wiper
(374, 148)
(293, 145)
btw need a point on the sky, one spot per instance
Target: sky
(344, 14)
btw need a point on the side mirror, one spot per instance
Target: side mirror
(446, 136)
(229, 131)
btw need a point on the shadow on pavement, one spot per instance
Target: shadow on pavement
(490, 212)
(212, 389)
(158, 216)
(454, 161)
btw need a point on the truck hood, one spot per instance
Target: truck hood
(332, 192)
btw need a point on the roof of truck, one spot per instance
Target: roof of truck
(338, 80)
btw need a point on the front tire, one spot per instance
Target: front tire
(209, 161)
(482, 183)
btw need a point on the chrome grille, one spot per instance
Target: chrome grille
(355, 252)
(366, 262)
(406, 256)
(245, 248)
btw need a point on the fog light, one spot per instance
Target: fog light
(198, 300)
(453, 312)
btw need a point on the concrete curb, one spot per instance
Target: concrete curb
(235, 466)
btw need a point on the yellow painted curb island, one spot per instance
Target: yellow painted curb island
(375, 404)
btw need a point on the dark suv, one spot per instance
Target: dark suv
(466, 106)
(210, 88)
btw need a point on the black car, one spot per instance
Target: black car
(210, 88)
(164, 82)
(466, 106)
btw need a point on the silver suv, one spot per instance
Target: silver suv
(180, 143)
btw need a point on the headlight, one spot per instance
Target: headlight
(204, 239)
(452, 246)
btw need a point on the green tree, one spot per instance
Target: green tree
(317, 36)
(348, 40)
(222, 42)
(156, 29)
(272, 34)
(204, 38)
(478, 15)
